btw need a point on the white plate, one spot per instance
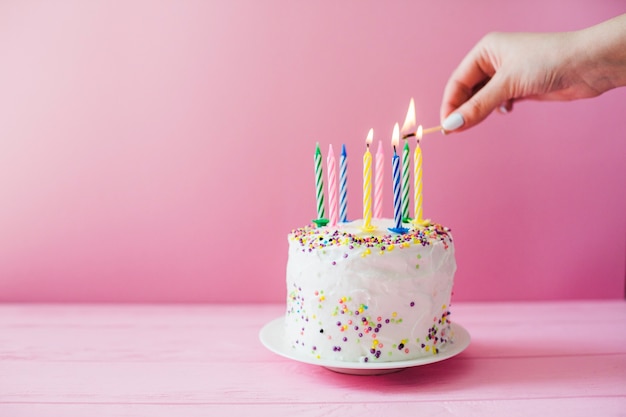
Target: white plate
(272, 336)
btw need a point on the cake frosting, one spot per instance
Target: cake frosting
(359, 296)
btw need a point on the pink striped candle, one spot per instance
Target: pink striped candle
(332, 186)
(343, 185)
(378, 181)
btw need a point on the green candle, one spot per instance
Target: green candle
(319, 184)
(405, 182)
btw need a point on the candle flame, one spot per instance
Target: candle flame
(409, 121)
(419, 133)
(370, 137)
(395, 137)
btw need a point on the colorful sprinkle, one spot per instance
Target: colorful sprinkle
(315, 238)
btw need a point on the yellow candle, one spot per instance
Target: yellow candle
(417, 186)
(367, 183)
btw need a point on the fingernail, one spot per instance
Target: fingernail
(503, 109)
(453, 122)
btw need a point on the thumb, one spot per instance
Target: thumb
(477, 107)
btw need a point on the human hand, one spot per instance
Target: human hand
(507, 67)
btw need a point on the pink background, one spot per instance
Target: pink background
(162, 150)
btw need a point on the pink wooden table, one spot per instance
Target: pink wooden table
(542, 359)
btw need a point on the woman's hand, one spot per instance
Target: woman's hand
(507, 67)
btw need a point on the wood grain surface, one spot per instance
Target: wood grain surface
(539, 358)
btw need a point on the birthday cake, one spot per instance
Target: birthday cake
(358, 296)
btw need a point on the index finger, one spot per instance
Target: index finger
(471, 74)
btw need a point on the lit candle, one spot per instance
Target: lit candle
(343, 185)
(319, 188)
(406, 162)
(367, 184)
(332, 186)
(397, 198)
(417, 166)
(378, 181)
(408, 130)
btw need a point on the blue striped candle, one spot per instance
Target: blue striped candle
(397, 199)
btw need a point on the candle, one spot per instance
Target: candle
(319, 188)
(332, 186)
(397, 198)
(378, 181)
(367, 184)
(406, 162)
(417, 166)
(407, 131)
(343, 185)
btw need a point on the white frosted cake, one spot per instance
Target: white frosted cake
(358, 296)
